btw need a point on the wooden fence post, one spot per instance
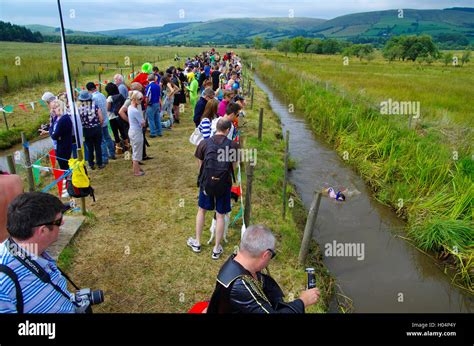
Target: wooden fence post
(260, 125)
(6, 86)
(248, 194)
(11, 164)
(251, 99)
(308, 230)
(285, 177)
(4, 115)
(26, 150)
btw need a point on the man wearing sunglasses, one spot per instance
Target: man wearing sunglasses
(30, 280)
(242, 287)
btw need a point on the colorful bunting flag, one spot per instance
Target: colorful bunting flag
(36, 171)
(57, 174)
(32, 104)
(22, 106)
(52, 157)
(41, 102)
(6, 109)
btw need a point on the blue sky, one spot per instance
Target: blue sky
(89, 15)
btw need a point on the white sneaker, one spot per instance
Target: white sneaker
(216, 255)
(192, 244)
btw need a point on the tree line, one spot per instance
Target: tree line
(12, 32)
(93, 40)
(405, 48)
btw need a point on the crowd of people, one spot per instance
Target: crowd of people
(212, 84)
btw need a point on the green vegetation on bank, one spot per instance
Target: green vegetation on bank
(425, 172)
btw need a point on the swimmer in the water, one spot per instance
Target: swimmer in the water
(338, 196)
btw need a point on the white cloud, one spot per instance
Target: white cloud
(92, 15)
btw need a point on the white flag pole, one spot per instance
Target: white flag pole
(67, 83)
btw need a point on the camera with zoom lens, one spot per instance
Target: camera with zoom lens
(86, 297)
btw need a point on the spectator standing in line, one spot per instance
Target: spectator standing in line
(123, 90)
(209, 114)
(91, 119)
(153, 92)
(62, 134)
(201, 105)
(214, 194)
(108, 146)
(115, 101)
(137, 123)
(193, 89)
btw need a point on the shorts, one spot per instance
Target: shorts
(220, 204)
(136, 140)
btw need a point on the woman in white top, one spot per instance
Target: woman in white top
(135, 134)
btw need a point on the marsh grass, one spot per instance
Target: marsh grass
(412, 170)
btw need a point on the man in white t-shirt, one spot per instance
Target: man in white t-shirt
(232, 112)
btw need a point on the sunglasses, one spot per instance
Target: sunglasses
(52, 223)
(272, 252)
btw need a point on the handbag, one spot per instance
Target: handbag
(196, 137)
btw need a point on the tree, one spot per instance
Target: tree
(362, 51)
(330, 46)
(298, 45)
(258, 42)
(410, 48)
(447, 58)
(284, 46)
(267, 44)
(466, 57)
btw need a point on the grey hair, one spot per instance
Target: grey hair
(119, 77)
(208, 92)
(256, 240)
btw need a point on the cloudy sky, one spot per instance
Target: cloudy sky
(91, 15)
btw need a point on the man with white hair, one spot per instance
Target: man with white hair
(118, 81)
(241, 286)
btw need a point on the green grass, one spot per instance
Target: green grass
(412, 170)
(40, 70)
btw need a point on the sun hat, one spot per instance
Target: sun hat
(48, 97)
(84, 96)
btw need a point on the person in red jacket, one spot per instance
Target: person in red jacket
(142, 77)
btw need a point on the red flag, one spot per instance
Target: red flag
(57, 174)
(105, 82)
(52, 157)
(22, 106)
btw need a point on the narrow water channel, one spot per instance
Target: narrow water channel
(389, 275)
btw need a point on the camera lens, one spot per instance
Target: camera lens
(97, 297)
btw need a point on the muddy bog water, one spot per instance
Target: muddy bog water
(379, 271)
(38, 148)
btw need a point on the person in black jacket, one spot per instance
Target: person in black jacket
(62, 134)
(241, 286)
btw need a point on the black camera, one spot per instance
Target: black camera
(85, 298)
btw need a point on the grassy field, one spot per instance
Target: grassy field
(40, 70)
(134, 246)
(424, 172)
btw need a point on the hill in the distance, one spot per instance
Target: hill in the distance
(370, 26)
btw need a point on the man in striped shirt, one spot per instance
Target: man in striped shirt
(33, 223)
